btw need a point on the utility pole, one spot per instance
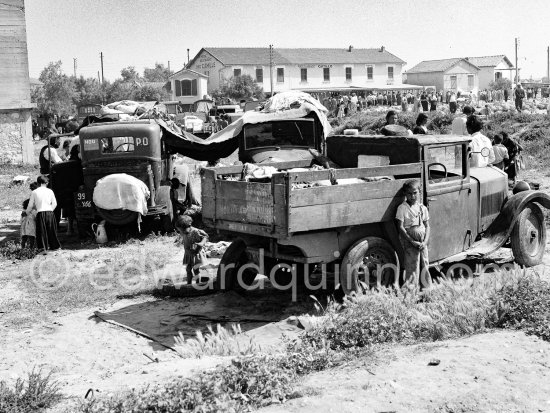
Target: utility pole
(102, 77)
(548, 64)
(74, 66)
(271, 67)
(187, 58)
(516, 82)
(168, 66)
(98, 77)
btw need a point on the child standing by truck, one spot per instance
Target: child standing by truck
(193, 240)
(414, 232)
(28, 227)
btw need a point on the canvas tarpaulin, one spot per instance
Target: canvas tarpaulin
(286, 105)
(121, 191)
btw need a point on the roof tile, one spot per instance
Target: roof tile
(252, 55)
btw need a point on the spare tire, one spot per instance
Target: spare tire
(118, 216)
(528, 236)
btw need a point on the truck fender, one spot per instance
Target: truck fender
(499, 231)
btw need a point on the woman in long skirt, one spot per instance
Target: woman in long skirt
(43, 200)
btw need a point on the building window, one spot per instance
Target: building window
(236, 72)
(348, 74)
(280, 75)
(303, 75)
(326, 74)
(259, 75)
(453, 82)
(390, 72)
(498, 75)
(470, 81)
(186, 87)
(370, 72)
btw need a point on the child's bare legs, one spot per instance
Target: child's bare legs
(191, 273)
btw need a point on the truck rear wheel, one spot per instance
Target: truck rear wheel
(528, 237)
(232, 260)
(363, 262)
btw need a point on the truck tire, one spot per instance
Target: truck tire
(118, 216)
(282, 275)
(528, 236)
(232, 260)
(360, 265)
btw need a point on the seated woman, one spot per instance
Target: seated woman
(421, 122)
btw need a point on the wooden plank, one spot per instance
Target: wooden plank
(242, 190)
(348, 193)
(242, 210)
(280, 205)
(343, 214)
(403, 169)
(208, 207)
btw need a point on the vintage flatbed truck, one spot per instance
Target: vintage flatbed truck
(285, 222)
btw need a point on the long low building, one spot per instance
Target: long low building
(300, 69)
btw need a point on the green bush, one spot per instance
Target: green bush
(526, 305)
(35, 394)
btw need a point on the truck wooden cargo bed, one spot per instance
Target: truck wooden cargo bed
(291, 203)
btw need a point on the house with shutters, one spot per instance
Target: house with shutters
(458, 74)
(301, 69)
(188, 86)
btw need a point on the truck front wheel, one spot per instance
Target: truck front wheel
(371, 262)
(528, 237)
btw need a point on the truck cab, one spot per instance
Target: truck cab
(278, 141)
(133, 148)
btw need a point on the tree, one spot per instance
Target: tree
(151, 92)
(58, 91)
(129, 74)
(87, 91)
(159, 73)
(121, 90)
(240, 87)
(500, 84)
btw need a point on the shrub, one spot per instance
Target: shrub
(38, 392)
(12, 251)
(526, 305)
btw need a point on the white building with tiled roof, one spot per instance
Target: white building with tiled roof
(460, 73)
(456, 74)
(492, 68)
(301, 69)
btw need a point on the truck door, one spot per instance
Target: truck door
(447, 196)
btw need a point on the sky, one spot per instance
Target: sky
(140, 33)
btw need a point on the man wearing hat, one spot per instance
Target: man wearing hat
(459, 123)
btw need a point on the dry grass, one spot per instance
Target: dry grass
(221, 342)
(78, 279)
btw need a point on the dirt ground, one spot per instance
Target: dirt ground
(501, 371)
(498, 371)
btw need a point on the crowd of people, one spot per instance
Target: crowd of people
(341, 105)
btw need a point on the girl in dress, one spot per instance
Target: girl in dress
(193, 240)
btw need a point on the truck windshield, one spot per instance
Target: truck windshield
(291, 133)
(117, 144)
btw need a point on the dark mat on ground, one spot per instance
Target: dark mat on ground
(162, 320)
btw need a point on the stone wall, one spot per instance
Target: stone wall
(16, 137)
